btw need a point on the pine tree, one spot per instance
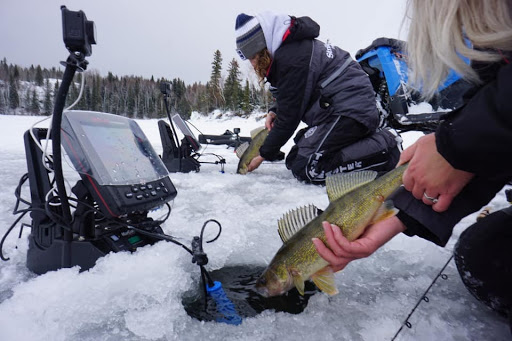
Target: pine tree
(16, 73)
(48, 103)
(103, 98)
(4, 69)
(26, 100)
(70, 99)
(130, 104)
(215, 96)
(179, 102)
(95, 93)
(122, 94)
(14, 98)
(56, 89)
(255, 101)
(246, 98)
(110, 77)
(31, 74)
(233, 87)
(3, 106)
(151, 106)
(82, 103)
(34, 104)
(39, 76)
(114, 100)
(136, 100)
(87, 96)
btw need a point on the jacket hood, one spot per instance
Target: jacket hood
(279, 28)
(274, 26)
(303, 28)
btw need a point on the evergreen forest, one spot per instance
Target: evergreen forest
(31, 91)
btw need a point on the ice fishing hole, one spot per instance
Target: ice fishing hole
(238, 284)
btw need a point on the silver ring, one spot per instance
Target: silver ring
(434, 200)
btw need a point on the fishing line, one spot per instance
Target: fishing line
(200, 132)
(424, 297)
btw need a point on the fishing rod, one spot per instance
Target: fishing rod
(423, 297)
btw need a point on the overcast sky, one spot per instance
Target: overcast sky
(177, 39)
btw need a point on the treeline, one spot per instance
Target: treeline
(31, 91)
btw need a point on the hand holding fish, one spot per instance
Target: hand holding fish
(429, 176)
(255, 163)
(249, 153)
(357, 201)
(269, 120)
(341, 251)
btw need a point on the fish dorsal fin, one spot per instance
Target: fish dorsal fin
(294, 220)
(340, 184)
(324, 280)
(256, 131)
(241, 149)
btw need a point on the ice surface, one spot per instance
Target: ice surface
(138, 296)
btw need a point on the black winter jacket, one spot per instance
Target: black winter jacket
(299, 68)
(476, 138)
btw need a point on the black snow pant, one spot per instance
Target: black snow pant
(342, 145)
(483, 255)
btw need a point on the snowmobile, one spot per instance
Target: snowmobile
(385, 62)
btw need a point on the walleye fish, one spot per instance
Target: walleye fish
(356, 200)
(247, 151)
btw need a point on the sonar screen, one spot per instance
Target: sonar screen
(185, 130)
(116, 162)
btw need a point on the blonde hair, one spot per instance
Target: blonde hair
(263, 62)
(437, 34)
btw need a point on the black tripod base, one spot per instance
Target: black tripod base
(183, 165)
(173, 155)
(61, 254)
(84, 253)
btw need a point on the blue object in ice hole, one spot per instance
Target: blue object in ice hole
(224, 305)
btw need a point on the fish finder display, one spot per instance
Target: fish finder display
(125, 157)
(115, 149)
(116, 161)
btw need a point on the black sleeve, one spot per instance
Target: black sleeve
(273, 108)
(423, 221)
(292, 75)
(477, 138)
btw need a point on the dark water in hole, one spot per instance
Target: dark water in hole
(238, 284)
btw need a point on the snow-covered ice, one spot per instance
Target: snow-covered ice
(139, 296)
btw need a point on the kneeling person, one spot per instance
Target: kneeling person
(319, 84)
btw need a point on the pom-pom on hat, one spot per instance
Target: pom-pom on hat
(249, 36)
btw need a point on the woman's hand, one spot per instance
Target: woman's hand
(429, 177)
(340, 251)
(255, 163)
(269, 120)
